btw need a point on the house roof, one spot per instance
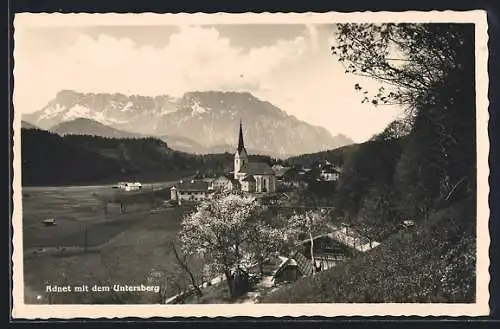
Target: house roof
(192, 186)
(257, 168)
(283, 265)
(227, 178)
(305, 265)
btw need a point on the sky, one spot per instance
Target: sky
(289, 65)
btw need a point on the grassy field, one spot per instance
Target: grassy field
(130, 248)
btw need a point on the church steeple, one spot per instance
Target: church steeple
(241, 144)
(240, 157)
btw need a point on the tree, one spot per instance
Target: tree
(429, 70)
(227, 231)
(309, 223)
(412, 60)
(183, 262)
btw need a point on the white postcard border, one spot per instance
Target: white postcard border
(481, 307)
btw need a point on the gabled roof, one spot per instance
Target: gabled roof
(192, 186)
(257, 168)
(305, 265)
(227, 178)
(283, 265)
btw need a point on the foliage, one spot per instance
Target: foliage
(309, 224)
(49, 159)
(372, 165)
(338, 156)
(189, 268)
(428, 68)
(435, 263)
(230, 234)
(413, 60)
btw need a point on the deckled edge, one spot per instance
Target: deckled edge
(21, 310)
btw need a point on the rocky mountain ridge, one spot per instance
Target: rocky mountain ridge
(200, 122)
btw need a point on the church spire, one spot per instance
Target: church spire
(241, 144)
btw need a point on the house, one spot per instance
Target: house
(190, 191)
(330, 174)
(225, 184)
(327, 251)
(255, 176)
(129, 186)
(292, 268)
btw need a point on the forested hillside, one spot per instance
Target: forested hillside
(421, 167)
(49, 159)
(337, 156)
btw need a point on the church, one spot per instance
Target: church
(255, 177)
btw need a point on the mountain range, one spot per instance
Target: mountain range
(197, 122)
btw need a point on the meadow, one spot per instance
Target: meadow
(93, 247)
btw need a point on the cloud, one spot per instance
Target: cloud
(312, 30)
(297, 74)
(195, 58)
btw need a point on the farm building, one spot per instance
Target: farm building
(225, 184)
(129, 186)
(293, 268)
(190, 191)
(328, 252)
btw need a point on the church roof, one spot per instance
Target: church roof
(241, 144)
(256, 168)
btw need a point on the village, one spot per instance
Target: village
(282, 191)
(272, 186)
(253, 177)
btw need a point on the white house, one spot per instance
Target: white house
(329, 174)
(129, 186)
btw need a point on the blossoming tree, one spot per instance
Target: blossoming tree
(229, 231)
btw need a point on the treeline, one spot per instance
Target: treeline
(337, 156)
(49, 159)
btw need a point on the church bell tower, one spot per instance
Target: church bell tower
(241, 156)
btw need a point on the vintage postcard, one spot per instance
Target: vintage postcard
(201, 165)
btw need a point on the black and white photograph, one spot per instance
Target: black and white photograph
(211, 164)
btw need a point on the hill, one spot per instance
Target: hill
(436, 263)
(209, 119)
(27, 125)
(338, 156)
(83, 126)
(51, 159)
